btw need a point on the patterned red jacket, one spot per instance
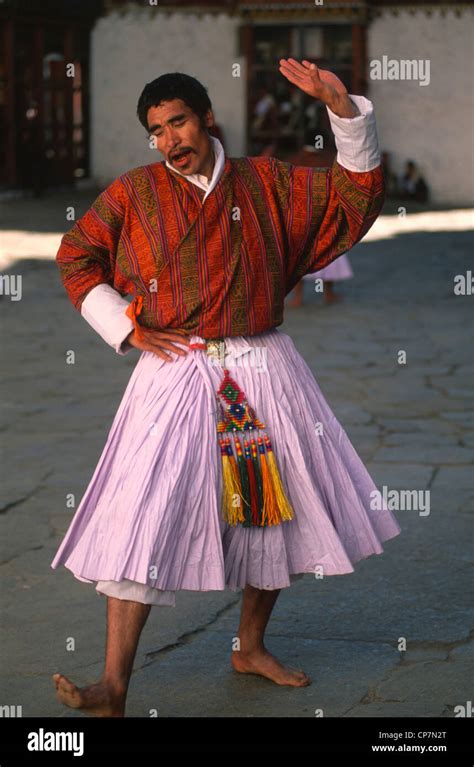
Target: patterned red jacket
(221, 268)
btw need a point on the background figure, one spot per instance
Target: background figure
(340, 269)
(289, 111)
(412, 184)
(265, 111)
(30, 154)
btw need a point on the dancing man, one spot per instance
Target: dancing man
(224, 467)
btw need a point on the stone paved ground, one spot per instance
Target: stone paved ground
(412, 424)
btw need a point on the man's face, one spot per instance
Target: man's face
(177, 130)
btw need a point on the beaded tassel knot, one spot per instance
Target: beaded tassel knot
(253, 492)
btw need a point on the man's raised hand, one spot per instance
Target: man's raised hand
(320, 84)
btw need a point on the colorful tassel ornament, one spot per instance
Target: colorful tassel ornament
(251, 474)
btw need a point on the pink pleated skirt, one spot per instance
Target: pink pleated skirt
(339, 269)
(150, 523)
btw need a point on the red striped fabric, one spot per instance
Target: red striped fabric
(222, 267)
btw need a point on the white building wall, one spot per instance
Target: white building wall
(431, 124)
(128, 50)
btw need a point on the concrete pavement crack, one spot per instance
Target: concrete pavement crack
(12, 504)
(20, 554)
(434, 474)
(372, 695)
(188, 637)
(5, 509)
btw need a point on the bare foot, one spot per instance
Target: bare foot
(265, 664)
(95, 700)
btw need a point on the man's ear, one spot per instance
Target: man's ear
(209, 118)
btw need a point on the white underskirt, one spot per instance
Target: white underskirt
(139, 592)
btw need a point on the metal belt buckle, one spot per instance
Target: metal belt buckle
(216, 348)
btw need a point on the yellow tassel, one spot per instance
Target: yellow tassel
(270, 508)
(231, 513)
(284, 506)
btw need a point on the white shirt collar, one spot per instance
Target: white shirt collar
(201, 180)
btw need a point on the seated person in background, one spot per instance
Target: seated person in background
(412, 184)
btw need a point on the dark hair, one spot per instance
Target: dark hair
(174, 85)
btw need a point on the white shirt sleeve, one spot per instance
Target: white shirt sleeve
(356, 137)
(104, 309)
